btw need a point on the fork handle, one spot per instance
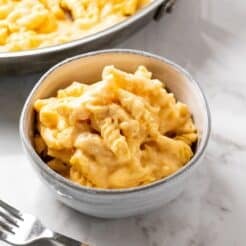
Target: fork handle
(66, 241)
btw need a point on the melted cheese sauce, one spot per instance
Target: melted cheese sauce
(29, 24)
(126, 130)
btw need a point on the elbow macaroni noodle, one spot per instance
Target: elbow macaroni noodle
(126, 130)
(30, 24)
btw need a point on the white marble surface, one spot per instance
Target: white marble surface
(208, 38)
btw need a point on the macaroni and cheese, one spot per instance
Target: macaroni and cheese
(126, 130)
(30, 24)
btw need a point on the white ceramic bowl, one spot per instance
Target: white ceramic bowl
(122, 202)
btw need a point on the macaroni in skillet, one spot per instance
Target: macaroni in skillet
(30, 24)
(124, 131)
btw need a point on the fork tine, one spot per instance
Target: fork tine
(6, 227)
(13, 211)
(3, 235)
(8, 218)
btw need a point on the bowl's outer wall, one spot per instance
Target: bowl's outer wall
(121, 204)
(40, 62)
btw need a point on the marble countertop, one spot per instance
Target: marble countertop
(208, 38)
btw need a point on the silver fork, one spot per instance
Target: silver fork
(17, 228)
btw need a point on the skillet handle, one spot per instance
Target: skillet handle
(165, 7)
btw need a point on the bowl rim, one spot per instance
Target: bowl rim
(85, 39)
(43, 166)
